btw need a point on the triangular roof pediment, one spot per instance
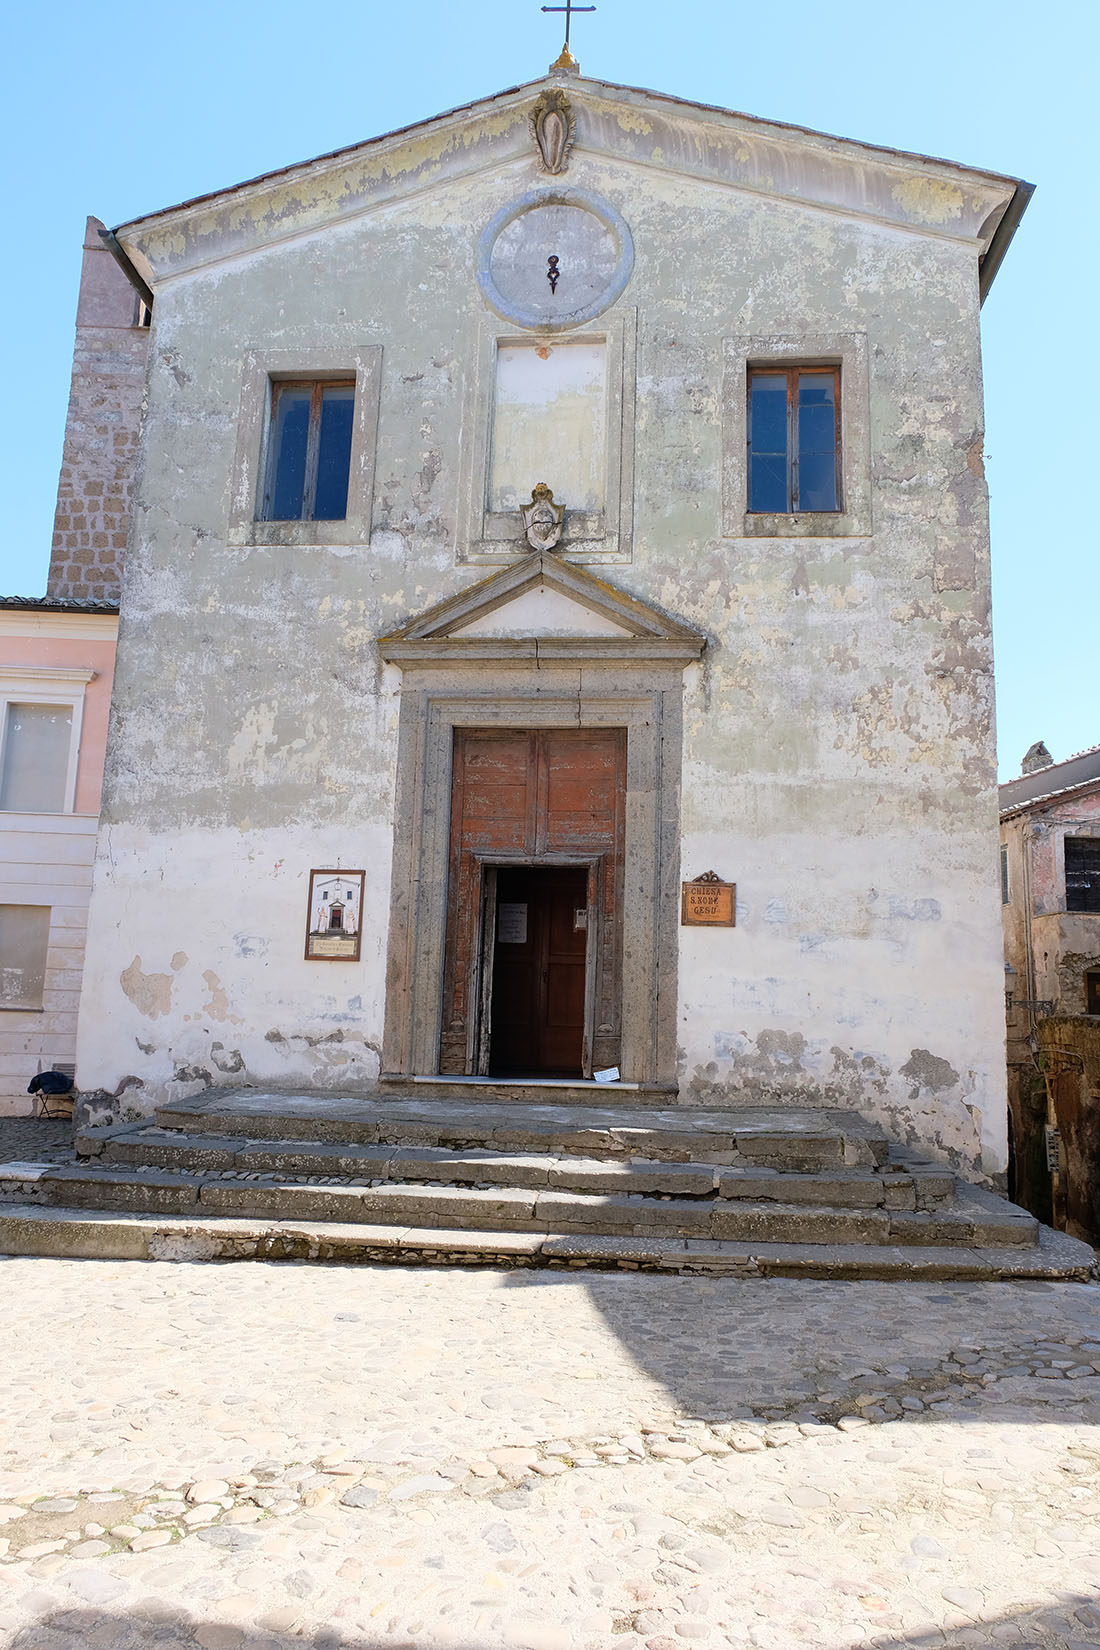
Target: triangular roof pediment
(617, 123)
(542, 608)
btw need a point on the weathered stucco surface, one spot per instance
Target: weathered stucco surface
(837, 756)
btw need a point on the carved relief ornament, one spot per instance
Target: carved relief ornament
(542, 518)
(553, 127)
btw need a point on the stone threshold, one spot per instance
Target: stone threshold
(525, 1091)
(592, 1085)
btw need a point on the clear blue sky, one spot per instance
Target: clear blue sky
(118, 110)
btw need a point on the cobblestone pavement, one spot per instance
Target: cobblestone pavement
(36, 1139)
(266, 1457)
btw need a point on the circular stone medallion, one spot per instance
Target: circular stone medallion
(554, 259)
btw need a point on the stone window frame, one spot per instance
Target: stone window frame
(647, 702)
(846, 350)
(261, 369)
(1090, 833)
(46, 685)
(493, 538)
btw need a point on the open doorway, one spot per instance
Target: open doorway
(546, 805)
(536, 993)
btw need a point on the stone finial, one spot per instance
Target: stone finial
(1035, 758)
(553, 127)
(542, 518)
(566, 63)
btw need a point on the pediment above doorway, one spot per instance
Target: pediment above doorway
(541, 611)
(542, 608)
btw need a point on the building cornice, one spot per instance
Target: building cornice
(614, 123)
(59, 623)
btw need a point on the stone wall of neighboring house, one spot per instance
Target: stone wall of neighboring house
(1050, 951)
(102, 430)
(1069, 1058)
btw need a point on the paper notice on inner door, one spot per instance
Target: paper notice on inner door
(512, 923)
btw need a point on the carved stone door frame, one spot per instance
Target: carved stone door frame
(651, 899)
(630, 679)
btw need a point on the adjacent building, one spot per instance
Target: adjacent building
(56, 663)
(57, 657)
(1050, 903)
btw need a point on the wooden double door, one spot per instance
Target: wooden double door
(533, 959)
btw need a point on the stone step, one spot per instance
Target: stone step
(974, 1217)
(902, 1184)
(537, 1091)
(29, 1229)
(797, 1138)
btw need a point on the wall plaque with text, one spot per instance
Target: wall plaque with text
(708, 902)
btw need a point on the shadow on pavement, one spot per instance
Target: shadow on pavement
(93, 1629)
(725, 1349)
(1072, 1624)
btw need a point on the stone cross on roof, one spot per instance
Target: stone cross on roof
(567, 60)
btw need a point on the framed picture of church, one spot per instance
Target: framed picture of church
(334, 916)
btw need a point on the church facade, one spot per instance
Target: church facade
(561, 541)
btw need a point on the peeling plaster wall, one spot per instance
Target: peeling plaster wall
(838, 757)
(214, 988)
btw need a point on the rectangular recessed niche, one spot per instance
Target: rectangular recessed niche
(550, 424)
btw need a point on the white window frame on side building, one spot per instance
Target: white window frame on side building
(60, 685)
